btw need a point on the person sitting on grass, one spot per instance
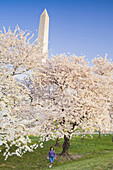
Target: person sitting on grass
(51, 156)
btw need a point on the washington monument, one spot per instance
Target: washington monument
(43, 31)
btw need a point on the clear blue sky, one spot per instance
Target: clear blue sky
(76, 26)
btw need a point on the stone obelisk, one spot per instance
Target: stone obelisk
(43, 31)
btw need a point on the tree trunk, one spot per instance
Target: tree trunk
(66, 145)
(112, 138)
(58, 142)
(99, 134)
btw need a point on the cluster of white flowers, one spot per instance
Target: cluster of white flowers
(18, 57)
(77, 96)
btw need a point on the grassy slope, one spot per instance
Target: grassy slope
(96, 154)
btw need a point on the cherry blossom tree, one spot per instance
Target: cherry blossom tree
(74, 96)
(18, 57)
(104, 68)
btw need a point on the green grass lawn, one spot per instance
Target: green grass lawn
(95, 154)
